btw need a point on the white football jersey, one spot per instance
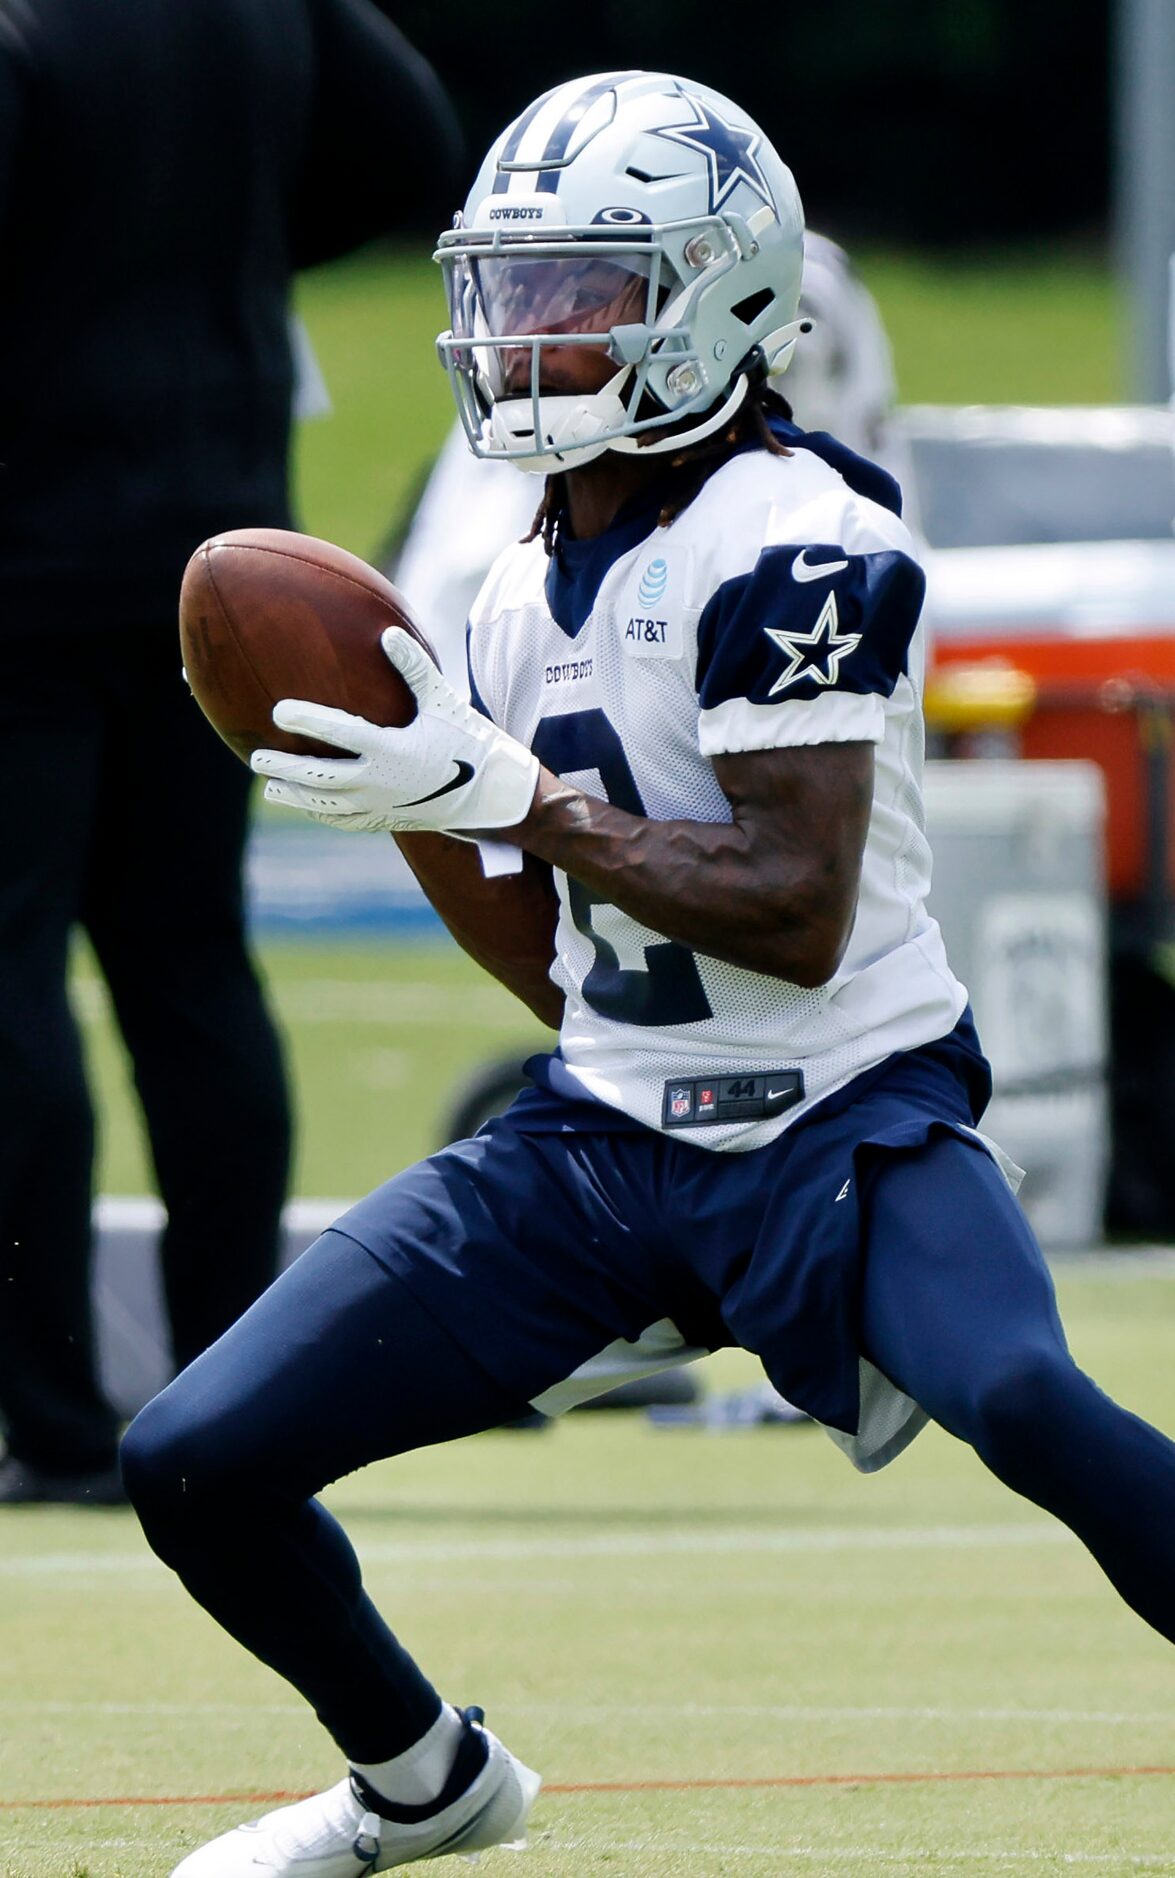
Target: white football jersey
(780, 608)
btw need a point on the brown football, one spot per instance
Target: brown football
(267, 614)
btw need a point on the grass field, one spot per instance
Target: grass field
(379, 1036)
(1034, 328)
(726, 1653)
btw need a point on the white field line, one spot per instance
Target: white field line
(645, 1711)
(821, 1855)
(808, 1711)
(869, 1854)
(51, 1707)
(733, 1540)
(605, 1545)
(123, 1212)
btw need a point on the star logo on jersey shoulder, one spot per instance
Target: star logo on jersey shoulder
(729, 151)
(817, 654)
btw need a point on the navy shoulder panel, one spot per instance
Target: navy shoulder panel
(863, 477)
(809, 618)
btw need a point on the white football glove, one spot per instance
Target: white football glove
(449, 770)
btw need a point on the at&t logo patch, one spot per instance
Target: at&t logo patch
(653, 582)
(646, 632)
(650, 605)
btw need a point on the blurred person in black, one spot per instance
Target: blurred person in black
(164, 169)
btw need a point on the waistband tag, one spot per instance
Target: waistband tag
(696, 1100)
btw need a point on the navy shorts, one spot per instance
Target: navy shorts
(564, 1234)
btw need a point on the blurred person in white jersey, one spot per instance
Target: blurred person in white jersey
(697, 701)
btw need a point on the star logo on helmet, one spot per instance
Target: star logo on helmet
(816, 654)
(729, 151)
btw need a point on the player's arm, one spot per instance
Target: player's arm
(796, 655)
(791, 688)
(507, 924)
(774, 889)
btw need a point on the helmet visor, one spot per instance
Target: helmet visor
(525, 294)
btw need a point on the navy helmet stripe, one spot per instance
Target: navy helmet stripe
(573, 116)
(548, 165)
(565, 129)
(509, 150)
(560, 136)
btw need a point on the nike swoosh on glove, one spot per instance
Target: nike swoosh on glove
(449, 770)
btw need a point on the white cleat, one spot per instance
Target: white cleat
(333, 1835)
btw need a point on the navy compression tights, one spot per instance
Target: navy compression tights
(958, 1309)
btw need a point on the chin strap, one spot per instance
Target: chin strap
(637, 446)
(576, 445)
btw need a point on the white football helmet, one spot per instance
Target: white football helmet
(644, 217)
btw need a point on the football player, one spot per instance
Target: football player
(696, 699)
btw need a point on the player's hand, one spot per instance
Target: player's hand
(450, 770)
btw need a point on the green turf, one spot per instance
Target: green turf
(633, 1605)
(379, 1038)
(1001, 328)
(373, 321)
(986, 327)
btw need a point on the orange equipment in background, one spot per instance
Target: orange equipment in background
(1110, 701)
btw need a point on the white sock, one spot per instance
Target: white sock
(418, 1775)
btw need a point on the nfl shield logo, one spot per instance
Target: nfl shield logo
(679, 1103)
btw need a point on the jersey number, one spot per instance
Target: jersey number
(668, 990)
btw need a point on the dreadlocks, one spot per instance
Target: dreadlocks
(688, 471)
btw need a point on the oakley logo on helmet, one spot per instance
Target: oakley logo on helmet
(623, 218)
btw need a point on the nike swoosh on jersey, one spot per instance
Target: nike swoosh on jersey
(804, 570)
(464, 774)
